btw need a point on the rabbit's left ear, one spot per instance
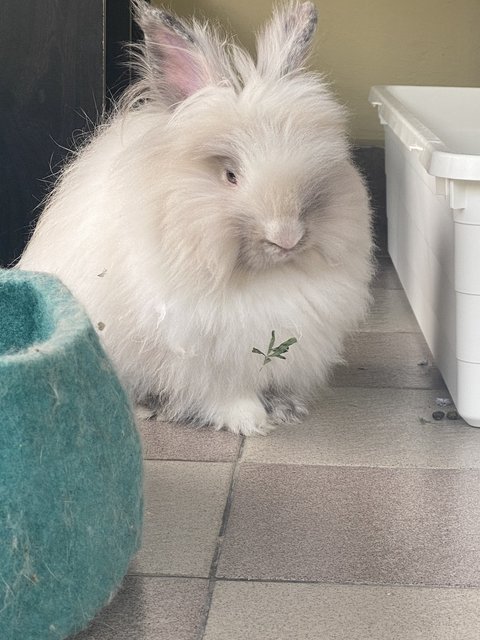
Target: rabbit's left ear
(178, 60)
(284, 44)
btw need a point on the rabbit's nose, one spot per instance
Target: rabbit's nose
(285, 239)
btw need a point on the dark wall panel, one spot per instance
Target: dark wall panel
(52, 81)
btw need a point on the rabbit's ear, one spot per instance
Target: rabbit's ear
(284, 44)
(174, 61)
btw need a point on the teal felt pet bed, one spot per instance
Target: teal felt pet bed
(70, 464)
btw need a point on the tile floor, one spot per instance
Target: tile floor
(362, 523)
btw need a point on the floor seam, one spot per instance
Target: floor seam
(319, 583)
(231, 461)
(219, 543)
(347, 467)
(403, 585)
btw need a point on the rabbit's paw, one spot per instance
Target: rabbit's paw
(284, 409)
(244, 416)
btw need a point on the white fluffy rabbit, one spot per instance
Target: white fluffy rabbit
(219, 203)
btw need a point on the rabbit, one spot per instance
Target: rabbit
(217, 204)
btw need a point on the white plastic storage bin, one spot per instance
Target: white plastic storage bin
(432, 157)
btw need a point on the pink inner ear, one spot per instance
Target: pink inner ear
(178, 62)
(181, 72)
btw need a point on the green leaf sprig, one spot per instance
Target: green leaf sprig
(275, 352)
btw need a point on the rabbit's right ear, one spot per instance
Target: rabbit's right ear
(174, 61)
(284, 44)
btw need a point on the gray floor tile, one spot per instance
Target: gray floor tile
(372, 427)
(270, 611)
(368, 491)
(390, 312)
(168, 441)
(356, 525)
(385, 276)
(184, 504)
(152, 609)
(387, 360)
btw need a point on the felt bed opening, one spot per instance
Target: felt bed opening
(23, 321)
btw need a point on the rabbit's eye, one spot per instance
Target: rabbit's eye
(230, 176)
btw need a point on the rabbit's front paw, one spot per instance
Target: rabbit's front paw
(282, 408)
(244, 416)
(288, 412)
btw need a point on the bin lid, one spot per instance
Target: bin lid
(442, 124)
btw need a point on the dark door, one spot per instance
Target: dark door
(61, 64)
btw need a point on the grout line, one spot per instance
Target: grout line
(231, 461)
(390, 332)
(320, 582)
(164, 576)
(333, 582)
(357, 386)
(348, 467)
(391, 388)
(220, 538)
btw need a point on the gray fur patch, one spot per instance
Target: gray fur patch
(175, 25)
(305, 35)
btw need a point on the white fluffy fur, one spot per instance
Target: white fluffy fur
(185, 269)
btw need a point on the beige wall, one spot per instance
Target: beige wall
(366, 42)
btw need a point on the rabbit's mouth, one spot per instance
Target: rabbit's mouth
(267, 254)
(277, 252)
(285, 248)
